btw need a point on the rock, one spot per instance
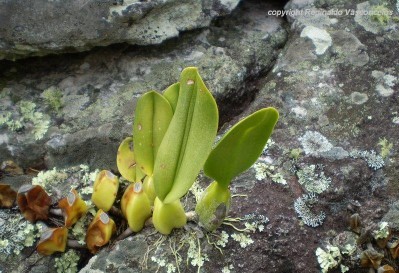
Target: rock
(56, 111)
(338, 127)
(392, 216)
(126, 256)
(47, 27)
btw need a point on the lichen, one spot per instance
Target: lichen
(295, 153)
(320, 38)
(243, 239)
(302, 206)
(46, 179)
(313, 179)
(81, 177)
(372, 159)
(314, 143)
(80, 227)
(16, 233)
(264, 170)
(386, 147)
(67, 262)
(53, 98)
(223, 239)
(26, 117)
(385, 83)
(380, 14)
(382, 232)
(329, 258)
(227, 268)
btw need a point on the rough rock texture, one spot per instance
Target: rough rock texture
(97, 90)
(334, 151)
(46, 27)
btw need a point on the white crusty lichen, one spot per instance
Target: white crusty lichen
(26, 117)
(373, 160)
(67, 262)
(382, 232)
(385, 83)
(320, 38)
(161, 262)
(196, 190)
(314, 143)
(302, 206)
(243, 239)
(46, 178)
(223, 239)
(87, 179)
(344, 268)
(264, 170)
(51, 178)
(227, 268)
(16, 233)
(329, 258)
(194, 253)
(313, 179)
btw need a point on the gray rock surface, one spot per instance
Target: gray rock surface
(44, 27)
(335, 83)
(97, 91)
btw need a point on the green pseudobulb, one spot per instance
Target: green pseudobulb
(213, 206)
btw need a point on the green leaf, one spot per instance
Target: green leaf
(152, 117)
(172, 94)
(241, 146)
(188, 140)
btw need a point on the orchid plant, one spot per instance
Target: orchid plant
(173, 137)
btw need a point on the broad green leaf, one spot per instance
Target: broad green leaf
(152, 117)
(172, 94)
(188, 140)
(125, 160)
(241, 146)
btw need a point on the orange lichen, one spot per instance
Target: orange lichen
(7, 196)
(73, 207)
(52, 240)
(34, 202)
(99, 231)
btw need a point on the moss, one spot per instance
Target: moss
(53, 98)
(295, 153)
(386, 147)
(381, 14)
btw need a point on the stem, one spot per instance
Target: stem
(124, 234)
(75, 244)
(115, 211)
